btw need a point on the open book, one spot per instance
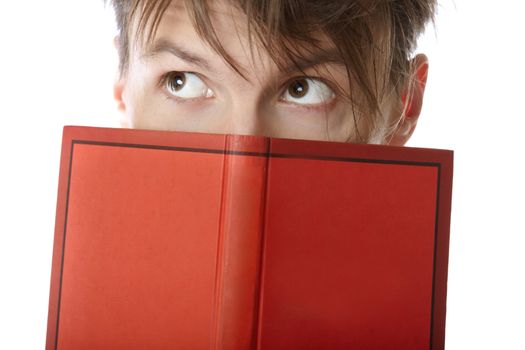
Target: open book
(171, 240)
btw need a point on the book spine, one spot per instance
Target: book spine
(240, 239)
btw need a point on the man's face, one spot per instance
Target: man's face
(179, 83)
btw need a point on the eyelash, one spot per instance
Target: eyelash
(316, 107)
(164, 78)
(170, 97)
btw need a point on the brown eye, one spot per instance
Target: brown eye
(298, 88)
(186, 85)
(176, 81)
(307, 91)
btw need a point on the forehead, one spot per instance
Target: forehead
(240, 38)
(182, 23)
(226, 23)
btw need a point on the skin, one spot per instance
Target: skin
(179, 83)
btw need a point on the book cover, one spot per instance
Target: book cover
(172, 240)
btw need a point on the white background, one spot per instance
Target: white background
(57, 66)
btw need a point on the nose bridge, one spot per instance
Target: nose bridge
(245, 114)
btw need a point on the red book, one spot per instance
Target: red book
(171, 240)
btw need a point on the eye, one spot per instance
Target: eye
(185, 85)
(307, 91)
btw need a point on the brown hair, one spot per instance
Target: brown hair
(374, 38)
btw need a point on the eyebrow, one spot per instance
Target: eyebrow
(329, 56)
(302, 63)
(166, 46)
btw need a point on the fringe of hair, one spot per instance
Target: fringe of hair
(375, 38)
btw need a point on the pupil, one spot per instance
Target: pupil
(298, 88)
(177, 81)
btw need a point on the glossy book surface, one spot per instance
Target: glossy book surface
(171, 240)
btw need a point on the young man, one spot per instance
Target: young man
(334, 70)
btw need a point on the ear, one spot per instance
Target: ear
(118, 90)
(412, 101)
